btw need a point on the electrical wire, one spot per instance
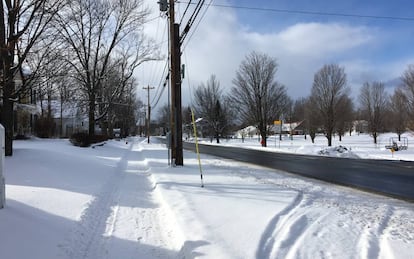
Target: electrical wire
(191, 20)
(195, 29)
(160, 86)
(153, 68)
(188, 78)
(152, 63)
(185, 11)
(304, 12)
(153, 75)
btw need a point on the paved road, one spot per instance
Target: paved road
(392, 178)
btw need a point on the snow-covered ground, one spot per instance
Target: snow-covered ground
(122, 200)
(356, 146)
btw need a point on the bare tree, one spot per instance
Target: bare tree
(408, 88)
(21, 25)
(399, 111)
(329, 91)
(96, 32)
(288, 115)
(125, 110)
(187, 120)
(259, 97)
(48, 79)
(164, 117)
(299, 112)
(374, 102)
(211, 105)
(299, 107)
(312, 119)
(346, 111)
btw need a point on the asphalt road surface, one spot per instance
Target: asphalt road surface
(389, 177)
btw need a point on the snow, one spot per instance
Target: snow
(354, 146)
(123, 200)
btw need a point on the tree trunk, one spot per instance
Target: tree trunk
(61, 117)
(263, 141)
(329, 137)
(92, 115)
(7, 118)
(49, 114)
(312, 135)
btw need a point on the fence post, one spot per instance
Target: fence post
(2, 182)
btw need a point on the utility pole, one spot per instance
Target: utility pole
(149, 111)
(176, 115)
(172, 84)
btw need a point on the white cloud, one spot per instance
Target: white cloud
(360, 71)
(221, 42)
(317, 39)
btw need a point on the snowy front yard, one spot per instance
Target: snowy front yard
(122, 200)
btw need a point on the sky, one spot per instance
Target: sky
(298, 34)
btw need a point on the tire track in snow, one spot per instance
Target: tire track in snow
(293, 231)
(140, 219)
(275, 226)
(373, 237)
(125, 220)
(86, 238)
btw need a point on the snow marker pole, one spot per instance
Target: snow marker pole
(196, 144)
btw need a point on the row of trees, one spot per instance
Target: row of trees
(256, 98)
(79, 51)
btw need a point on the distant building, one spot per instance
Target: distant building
(247, 132)
(360, 126)
(25, 110)
(291, 128)
(68, 119)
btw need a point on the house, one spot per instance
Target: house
(291, 128)
(360, 126)
(68, 119)
(25, 110)
(249, 131)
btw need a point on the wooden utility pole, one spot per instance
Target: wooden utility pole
(149, 111)
(172, 80)
(176, 116)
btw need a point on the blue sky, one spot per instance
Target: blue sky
(369, 49)
(396, 36)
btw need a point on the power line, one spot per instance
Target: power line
(158, 45)
(152, 65)
(162, 91)
(304, 12)
(161, 86)
(191, 20)
(185, 11)
(202, 16)
(188, 78)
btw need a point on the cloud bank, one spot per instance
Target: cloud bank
(222, 41)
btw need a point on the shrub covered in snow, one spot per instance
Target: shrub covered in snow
(338, 151)
(83, 139)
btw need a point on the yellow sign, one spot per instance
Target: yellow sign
(277, 122)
